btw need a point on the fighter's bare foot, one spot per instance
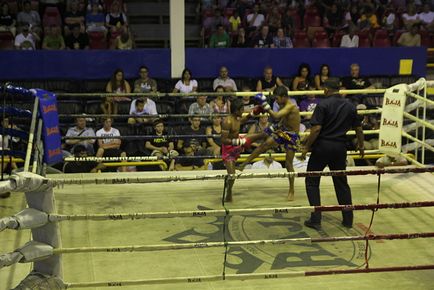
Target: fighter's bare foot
(291, 196)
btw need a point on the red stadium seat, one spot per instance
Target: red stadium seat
(337, 37)
(301, 40)
(97, 40)
(364, 40)
(321, 40)
(381, 39)
(6, 40)
(425, 38)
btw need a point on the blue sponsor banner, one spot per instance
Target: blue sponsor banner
(50, 128)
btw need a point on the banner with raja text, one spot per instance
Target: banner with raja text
(50, 129)
(391, 120)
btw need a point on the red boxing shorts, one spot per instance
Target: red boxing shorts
(231, 153)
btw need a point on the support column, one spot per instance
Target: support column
(177, 37)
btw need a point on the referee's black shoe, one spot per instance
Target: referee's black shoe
(316, 226)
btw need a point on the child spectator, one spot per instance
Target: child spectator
(7, 21)
(161, 146)
(117, 84)
(53, 39)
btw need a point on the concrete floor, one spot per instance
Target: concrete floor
(248, 194)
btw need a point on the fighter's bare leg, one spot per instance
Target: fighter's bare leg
(269, 143)
(230, 167)
(257, 136)
(290, 168)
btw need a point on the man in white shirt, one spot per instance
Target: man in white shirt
(109, 147)
(26, 39)
(350, 40)
(140, 107)
(255, 19)
(225, 81)
(267, 163)
(427, 17)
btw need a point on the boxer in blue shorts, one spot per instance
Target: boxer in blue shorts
(284, 133)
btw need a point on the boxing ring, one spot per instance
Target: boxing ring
(206, 240)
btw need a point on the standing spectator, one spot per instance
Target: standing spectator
(116, 19)
(268, 82)
(264, 39)
(200, 107)
(324, 74)
(186, 84)
(389, 19)
(225, 81)
(110, 147)
(331, 120)
(143, 106)
(95, 20)
(117, 84)
(426, 17)
(302, 81)
(267, 163)
(282, 41)
(235, 21)
(82, 166)
(29, 17)
(77, 40)
(7, 21)
(214, 144)
(240, 40)
(356, 82)
(220, 38)
(81, 130)
(194, 129)
(350, 39)
(53, 39)
(410, 38)
(161, 146)
(74, 17)
(410, 17)
(26, 40)
(220, 104)
(255, 19)
(145, 84)
(274, 19)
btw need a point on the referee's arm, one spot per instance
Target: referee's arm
(360, 139)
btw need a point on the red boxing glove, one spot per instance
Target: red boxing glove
(257, 110)
(242, 141)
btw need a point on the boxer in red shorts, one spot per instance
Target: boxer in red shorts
(232, 143)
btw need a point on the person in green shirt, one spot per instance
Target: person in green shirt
(220, 38)
(53, 39)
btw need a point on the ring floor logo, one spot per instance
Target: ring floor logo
(296, 256)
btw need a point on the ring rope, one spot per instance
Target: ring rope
(246, 211)
(415, 119)
(416, 96)
(151, 179)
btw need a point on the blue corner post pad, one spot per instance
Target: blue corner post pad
(51, 133)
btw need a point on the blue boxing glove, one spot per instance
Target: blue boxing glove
(262, 101)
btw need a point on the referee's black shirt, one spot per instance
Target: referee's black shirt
(336, 116)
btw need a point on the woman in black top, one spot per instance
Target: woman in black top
(324, 74)
(7, 21)
(215, 144)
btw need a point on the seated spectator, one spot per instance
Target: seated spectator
(350, 39)
(225, 81)
(235, 21)
(117, 84)
(334, 20)
(368, 19)
(248, 102)
(95, 20)
(220, 38)
(426, 17)
(29, 17)
(268, 82)
(80, 130)
(116, 19)
(7, 21)
(186, 84)
(258, 127)
(124, 41)
(142, 106)
(410, 38)
(161, 146)
(356, 82)
(302, 81)
(82, 166)
(274, 19)
(193, 149)
(267, 163)
(212, 23)
(214, 144)
(308, 105)
(53, 39)
(110, 147)
(74, 17)
(145, 84)
(220, 104)
(282, 41)
(200, 107)
(389, 160)
(324, 74)
(194, 129)
(410, 17)
(389, 19)
(263, 39)
(255, 19)
(26, 40)
(241, 40)
(77, 40)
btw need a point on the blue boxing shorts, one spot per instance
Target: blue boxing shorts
(290, 140)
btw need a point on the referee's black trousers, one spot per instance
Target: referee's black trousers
(334, 155)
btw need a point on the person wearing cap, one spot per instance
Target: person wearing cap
(331, 120)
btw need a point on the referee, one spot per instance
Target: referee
(331, 120)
